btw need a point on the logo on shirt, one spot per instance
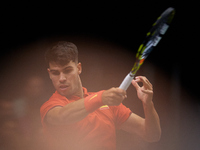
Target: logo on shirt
(104, 107)
(93, 97)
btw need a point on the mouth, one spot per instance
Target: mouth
(63, 87)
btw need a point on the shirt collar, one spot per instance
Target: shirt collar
(73, 97)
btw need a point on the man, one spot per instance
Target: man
(74, 118)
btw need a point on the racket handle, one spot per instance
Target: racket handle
(126, 82)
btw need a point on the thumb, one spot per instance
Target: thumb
(135, 84)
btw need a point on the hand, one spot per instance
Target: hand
(113, 96)
(144, 93)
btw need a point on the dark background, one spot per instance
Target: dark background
(108, 35)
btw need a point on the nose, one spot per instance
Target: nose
(62, 77)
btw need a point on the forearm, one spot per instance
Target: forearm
(68, 114)
(152, 123)
(74, 111)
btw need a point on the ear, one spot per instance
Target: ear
(48, 70)
(79, 66)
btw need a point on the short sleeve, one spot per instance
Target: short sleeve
(55, 100)
(121, 114)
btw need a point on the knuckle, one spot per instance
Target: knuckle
(143, 77)
(112, 94)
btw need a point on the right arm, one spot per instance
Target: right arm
(76, 111)
(70, 113)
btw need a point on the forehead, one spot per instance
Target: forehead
(56, 66)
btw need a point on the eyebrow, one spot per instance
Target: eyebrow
(68, 67)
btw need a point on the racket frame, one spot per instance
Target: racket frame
(153, 37)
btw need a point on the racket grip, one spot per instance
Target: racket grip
(126, 82)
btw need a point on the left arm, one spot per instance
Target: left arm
(149, 127)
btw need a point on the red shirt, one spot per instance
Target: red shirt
(97, 131)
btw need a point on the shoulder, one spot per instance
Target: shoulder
(55, 100)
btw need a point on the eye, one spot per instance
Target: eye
(66, 71)
(56, 73)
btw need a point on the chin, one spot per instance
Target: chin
(64, 93)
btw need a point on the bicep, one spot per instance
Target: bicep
(52, 117)
(70, 113)
(134, 124)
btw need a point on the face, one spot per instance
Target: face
(66, 78)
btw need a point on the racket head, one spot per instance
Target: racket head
(153, 37)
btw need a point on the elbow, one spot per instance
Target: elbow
(153, 137)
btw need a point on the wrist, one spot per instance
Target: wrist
(148, 104)
(93, 102)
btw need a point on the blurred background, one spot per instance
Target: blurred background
(107, 36)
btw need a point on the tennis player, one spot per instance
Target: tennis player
(75, 119)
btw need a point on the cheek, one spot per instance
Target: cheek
(73, 78)
(55, 81)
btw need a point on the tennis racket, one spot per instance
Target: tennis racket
(153, 37)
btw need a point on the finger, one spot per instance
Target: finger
(137, 79)
(135, 84)
(120, 91)
(147, 91)
(149, 83)
(145, 82)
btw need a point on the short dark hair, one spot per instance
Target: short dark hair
(62, 53)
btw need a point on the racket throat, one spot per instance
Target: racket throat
(131, 74)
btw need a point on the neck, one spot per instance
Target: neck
(79, 91)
